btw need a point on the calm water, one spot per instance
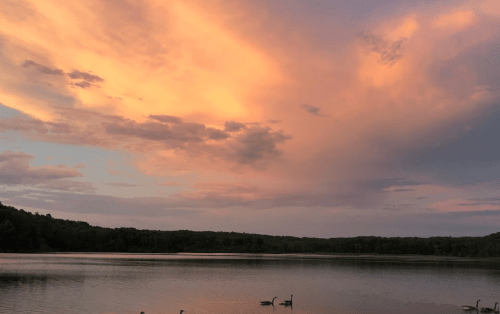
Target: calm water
(234, 283)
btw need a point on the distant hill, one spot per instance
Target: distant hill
(24, 232)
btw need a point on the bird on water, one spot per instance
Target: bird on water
(287, 302)
(268, 302)
(490, 310)
(470, 307)
(179, 313)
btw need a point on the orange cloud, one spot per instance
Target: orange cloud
(456, 20)
(169, 58)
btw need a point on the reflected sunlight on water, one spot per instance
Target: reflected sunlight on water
(236, 283)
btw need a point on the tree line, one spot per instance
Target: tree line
(25, 232)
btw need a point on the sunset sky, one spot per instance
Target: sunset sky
(312, 118)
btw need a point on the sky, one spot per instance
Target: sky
(309, 118)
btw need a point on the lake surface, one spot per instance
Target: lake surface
(235, 283)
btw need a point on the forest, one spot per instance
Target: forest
(25, 232)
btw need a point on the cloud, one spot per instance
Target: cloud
(387, 51)
(470, 156)
(256, 143)
(15, 170)
(166, 119)
(41, 68)
(312, 110)
(232, 126)
(85, 76)
(236, 142)
(86, 79)
(82, 84)
(81, 131)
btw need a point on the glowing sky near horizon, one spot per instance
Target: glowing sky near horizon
(306, 117)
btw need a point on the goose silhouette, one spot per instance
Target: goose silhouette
(268, 302)
(470, 307)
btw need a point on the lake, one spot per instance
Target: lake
(235, 283)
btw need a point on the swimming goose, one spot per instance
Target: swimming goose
(268, 302)
(490, 310)
(287, 302)
(471, 308)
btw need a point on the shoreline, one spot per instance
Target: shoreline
(318, 256)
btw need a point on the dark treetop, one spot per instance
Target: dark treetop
(24, 232)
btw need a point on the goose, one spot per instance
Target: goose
(490, 310)
(471, 308)
(287, 302)
(268, 302)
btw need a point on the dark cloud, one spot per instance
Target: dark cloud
(41, 68)
(175, 135)
(256, 143)
(312, 109)
(381, 184)
(91, 78)
(478, 65)
(470, 156)
(165, 118)
(86, 79)
(232, 126)
(15, 169)
(216, 134)
(246, 146)
(389, 52)
(82, 84)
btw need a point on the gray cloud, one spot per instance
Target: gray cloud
(82, 84)
(15, 170)
(166, 119)
(242, 144)
(232, 126)
(478, 65)
(380, 184)
(172, 135)
(312, 109)
(41, 68)
(91, 78)
(389, 52)
(245, 144)
(86, 79)
(256, 143)
(471, 156)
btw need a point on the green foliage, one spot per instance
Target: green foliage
(22, 231)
